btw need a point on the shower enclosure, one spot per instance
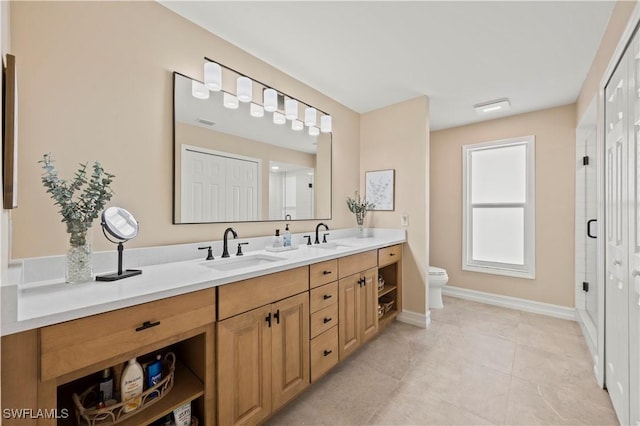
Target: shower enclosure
(586, 228)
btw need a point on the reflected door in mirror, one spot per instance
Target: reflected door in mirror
(218, 188)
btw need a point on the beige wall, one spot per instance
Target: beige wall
(615, 27)
(397, 137)
(96, 84)
(554, 130)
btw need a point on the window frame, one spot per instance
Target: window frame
(498, 268)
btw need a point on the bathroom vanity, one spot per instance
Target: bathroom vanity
(259, 328)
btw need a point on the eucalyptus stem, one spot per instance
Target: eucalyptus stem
(359, 207)
(80, 200)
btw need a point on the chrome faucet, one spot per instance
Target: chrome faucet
(317, 228)
(225, 249)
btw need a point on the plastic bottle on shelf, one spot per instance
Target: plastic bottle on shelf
(132, 385)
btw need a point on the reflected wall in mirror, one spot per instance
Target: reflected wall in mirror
(231, 166)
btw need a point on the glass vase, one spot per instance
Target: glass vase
(360, 232)
(79, 267)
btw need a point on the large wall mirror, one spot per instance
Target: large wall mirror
(231, 166)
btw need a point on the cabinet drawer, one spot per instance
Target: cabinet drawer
(321, 297)
(83, 342)
(323, 273)
(389, 255)
(243, 296)
(324, 319)
(324, 353)
(353, 264)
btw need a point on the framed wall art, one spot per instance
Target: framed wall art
(380, 189)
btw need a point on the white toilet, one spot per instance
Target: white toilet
(437, 279)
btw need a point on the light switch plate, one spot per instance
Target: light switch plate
(404, 219)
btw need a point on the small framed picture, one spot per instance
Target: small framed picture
(380, 189)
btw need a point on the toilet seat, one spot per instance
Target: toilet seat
(434, 270)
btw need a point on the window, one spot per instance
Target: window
(498, 207)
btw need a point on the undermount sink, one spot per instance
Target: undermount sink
(240, 262)
(331, 245)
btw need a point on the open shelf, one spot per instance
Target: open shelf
(386, 289)
(186, 387)
(387, 319)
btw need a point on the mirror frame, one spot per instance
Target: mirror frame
(173, 148)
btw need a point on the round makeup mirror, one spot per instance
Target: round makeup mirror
(119, 226)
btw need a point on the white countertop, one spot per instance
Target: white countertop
(38, 304)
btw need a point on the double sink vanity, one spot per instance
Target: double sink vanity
(249, 332)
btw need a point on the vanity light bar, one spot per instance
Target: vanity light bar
(244, 93)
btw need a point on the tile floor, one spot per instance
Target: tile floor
(477, 364)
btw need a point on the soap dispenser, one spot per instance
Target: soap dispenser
(287, 237)
(277, 239)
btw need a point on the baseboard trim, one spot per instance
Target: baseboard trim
(511, 302)
(414, 318)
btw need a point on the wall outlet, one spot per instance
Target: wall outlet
(404, 219)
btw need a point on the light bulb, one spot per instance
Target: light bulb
(291, 109)
(297, 125)
(230, 101)
(256, 110)
(270, 100)
(310, 116)
(278, 118)
(325, 124)
(212, 76)
(198, 90)
(244, 89)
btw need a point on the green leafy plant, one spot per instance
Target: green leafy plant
(359, 207)
(80, 200)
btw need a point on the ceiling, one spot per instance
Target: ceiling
(368, 55)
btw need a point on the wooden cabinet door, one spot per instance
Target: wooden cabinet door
(368, 304)
(244, 368)
(289, 348)
(349, 315)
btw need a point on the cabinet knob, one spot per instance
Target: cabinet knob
(326, 272)
(327, 319)
(327, 352)
(268, 319)
(392, 254)
(327, 296)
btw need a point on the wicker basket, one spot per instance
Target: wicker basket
(387, 302)
(115, 413)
